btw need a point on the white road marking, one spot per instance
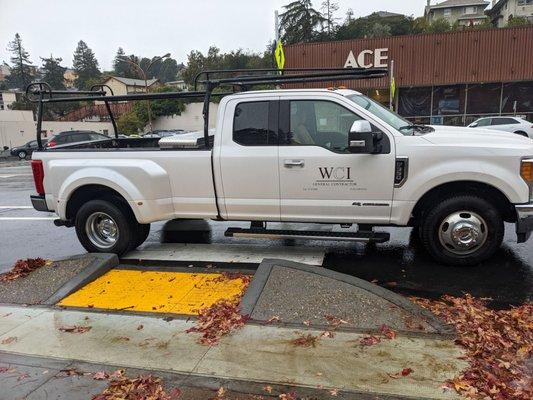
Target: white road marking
(13, 175)
(28, 218)
(14, 207)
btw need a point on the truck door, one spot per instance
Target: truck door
(320, 180)
(249, 160)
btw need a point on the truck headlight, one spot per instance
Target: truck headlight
(526, 172)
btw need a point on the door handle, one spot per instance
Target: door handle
(293, 163)
(357, 143)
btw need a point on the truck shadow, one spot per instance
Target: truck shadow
(506, 279)
(401, 265)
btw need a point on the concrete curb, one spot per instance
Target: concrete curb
(262, 274)
(101, 263)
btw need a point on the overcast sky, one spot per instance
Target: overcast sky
(150, 28)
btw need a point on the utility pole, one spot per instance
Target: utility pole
(145, 78)
(276, 25)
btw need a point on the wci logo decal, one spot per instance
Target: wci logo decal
(334, 176)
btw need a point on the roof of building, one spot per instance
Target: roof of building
(459, 3)
(385, 14)
(133, 82)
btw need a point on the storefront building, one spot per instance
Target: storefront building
(451, 78)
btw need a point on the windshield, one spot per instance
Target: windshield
(381, 112)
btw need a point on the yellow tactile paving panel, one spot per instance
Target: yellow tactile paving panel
(155, 291)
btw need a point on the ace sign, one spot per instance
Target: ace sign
(367, 59)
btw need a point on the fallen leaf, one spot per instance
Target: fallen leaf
(71, 372)
(143, 387)
(498, 344)
(287, 396)
(9, 340)
(305, 341)
(23, 268)
(369, 340)
(388, 332)
(22, 376)
(272, 320)
(75, 329)
(268, 389)
(140, 327)
(334, 392)
(306, 322)
(100, 375)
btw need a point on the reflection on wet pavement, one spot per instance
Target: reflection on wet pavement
(400, 264)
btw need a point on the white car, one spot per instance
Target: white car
(510, 124)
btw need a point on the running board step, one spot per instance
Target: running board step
(362, 236)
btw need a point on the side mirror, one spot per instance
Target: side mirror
(472, 125)
(362, 140)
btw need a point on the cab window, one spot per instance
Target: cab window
(320, 123)
(251, 124)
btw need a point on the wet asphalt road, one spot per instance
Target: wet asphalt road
(400, 264)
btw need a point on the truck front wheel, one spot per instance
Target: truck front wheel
(462, 230)
(104, 227)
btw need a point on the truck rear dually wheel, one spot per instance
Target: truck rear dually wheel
(462, 230)
(104, 227)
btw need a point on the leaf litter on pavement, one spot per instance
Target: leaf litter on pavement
(23, 268)
(222, 317)
(498, 344)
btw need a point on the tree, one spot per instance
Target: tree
(419, 25)
(439, 26)
(53, 72)
(120, 68)
(237, 59)
(328, 9)
(22, 71)
(85, 65)
(379, 30)
(300, 22)
(517, 21)
(129, 123)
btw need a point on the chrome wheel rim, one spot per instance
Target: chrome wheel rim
(463, 232)
(102, 230)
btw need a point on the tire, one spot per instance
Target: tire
(471, 216)
(22, 155)
(522, 133)
(142, 232)
(106, 227)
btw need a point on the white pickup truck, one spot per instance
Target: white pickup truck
(328, 156)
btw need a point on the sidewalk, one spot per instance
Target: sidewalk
(256, 354)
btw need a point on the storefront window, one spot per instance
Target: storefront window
(414, 101)
(380, 95)
(448, 100)
(483, 98)
(519, 95)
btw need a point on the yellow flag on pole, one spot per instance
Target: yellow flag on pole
(280, 55)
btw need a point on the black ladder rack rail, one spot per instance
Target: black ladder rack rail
(42, 93)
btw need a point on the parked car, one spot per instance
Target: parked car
(25, 150)
(505, 123)
(161, 133)
(74, 137)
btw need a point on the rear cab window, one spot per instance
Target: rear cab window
(252, 125)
